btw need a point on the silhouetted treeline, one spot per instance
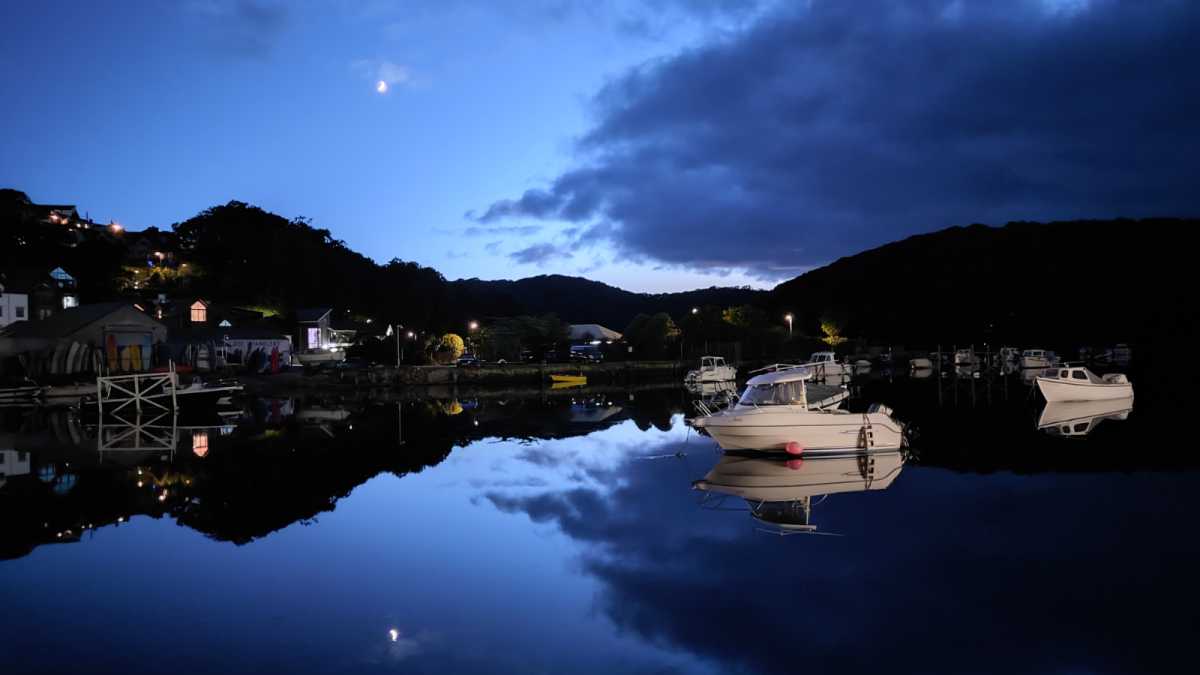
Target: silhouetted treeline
(1031, 284)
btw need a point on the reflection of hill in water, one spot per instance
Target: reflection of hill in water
(278, 463)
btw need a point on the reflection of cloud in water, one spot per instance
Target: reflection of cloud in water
(939, 573)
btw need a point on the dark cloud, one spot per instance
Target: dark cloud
(539, 254)
(829, 128)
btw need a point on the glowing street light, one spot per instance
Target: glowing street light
(788, 318)
(473, 325)
(695, 310)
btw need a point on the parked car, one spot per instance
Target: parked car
(468, 361)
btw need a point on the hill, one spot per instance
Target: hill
(579, 300)
(1055, 284)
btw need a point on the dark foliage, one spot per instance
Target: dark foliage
(1051, 284)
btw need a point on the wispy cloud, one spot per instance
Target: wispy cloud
(241, 28)
(539, 254)
(383, 74)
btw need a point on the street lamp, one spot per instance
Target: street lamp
(695, 310)
(788, 318)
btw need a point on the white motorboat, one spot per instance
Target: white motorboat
(780, 492)
(776, 413)
(320, 357)
(826, 364)
(920, 363)
(1077, 383)
(1079, 418)
(1038, 358)
(712, 369)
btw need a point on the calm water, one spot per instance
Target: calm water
(561, 533)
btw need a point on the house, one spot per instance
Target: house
(14, 306)
(314, 328)
(583, 333)
(114, 334)
(47, 292)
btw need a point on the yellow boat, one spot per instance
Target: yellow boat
(569, 379)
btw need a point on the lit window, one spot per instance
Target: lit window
(199, 312)
(200, 443)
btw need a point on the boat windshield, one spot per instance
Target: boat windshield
(783, 393)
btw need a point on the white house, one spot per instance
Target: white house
(13, 307)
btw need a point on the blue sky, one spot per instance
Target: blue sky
(657, 146)
(147, 113)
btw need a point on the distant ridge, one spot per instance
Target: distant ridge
(1028, 283)
(580, 300)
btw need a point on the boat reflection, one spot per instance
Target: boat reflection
(1076, 419)
(779, 494)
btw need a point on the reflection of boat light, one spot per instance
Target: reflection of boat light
(777, 413)
(569, 379)
(780, 492)
(1081, 384)
(1079, 418)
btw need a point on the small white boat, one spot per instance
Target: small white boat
(1075, 419)
(775, 413)
(712, 369)
(318, 357)
(826, 364)
(920, 363)
(1038, 358)
(1077, 383)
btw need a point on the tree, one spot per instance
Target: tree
(651, 335)
(833, 335)
(453, 344)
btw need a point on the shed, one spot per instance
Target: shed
(121, 335)
(314, 328)
(584, 332)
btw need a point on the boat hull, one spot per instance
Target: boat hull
(718, 374)
(1057, 390)
(816, 432)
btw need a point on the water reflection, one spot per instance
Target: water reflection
(780, 492)
(556, 531)
(1076, 419)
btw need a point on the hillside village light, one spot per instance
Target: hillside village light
(788, 318)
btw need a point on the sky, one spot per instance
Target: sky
(657, 146)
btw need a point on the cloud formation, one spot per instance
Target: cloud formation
(828, 127)
(242, 28)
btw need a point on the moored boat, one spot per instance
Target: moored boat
(1077, 383)
(320, 357)
(1038, 358)
(712, 369)
(776, 414)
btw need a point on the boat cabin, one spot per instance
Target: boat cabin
(712, 362)
(1083, 375)
(784, 387)
(823, 357)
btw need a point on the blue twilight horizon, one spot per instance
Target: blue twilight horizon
(655, 146)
